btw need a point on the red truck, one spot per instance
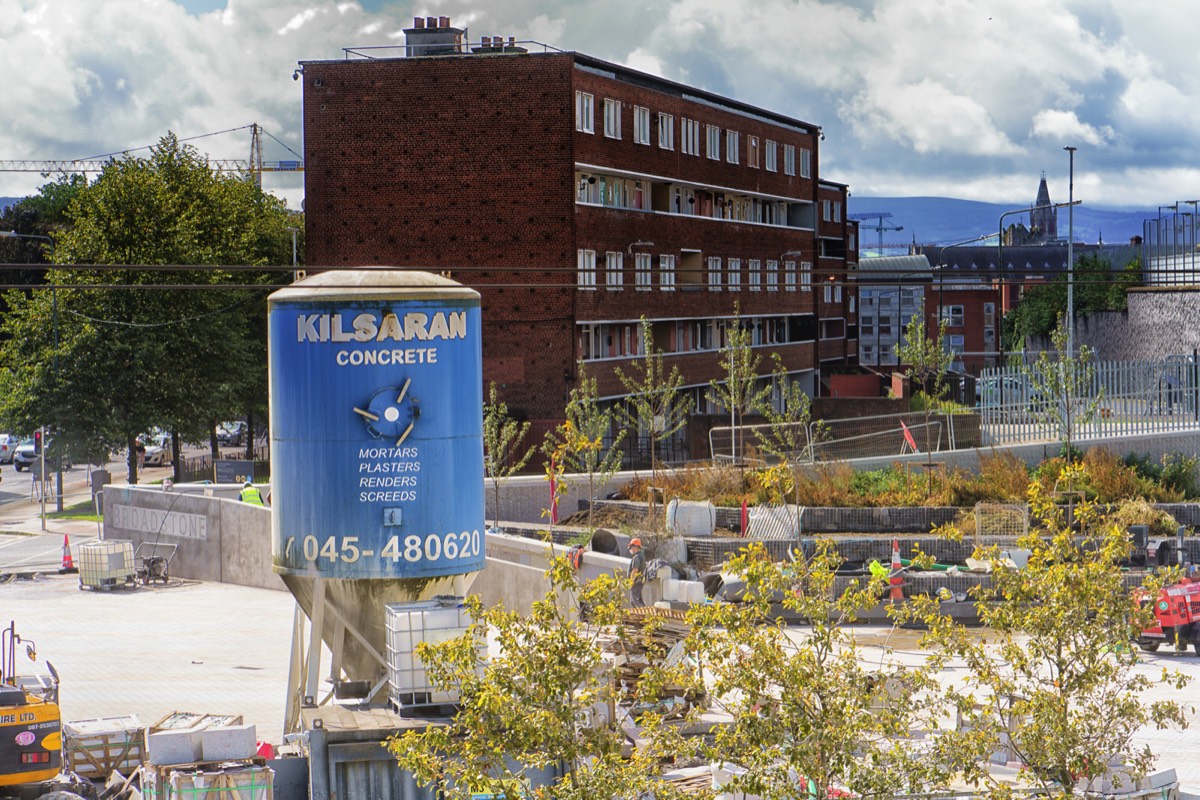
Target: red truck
(1177, 619)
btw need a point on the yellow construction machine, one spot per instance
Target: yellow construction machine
(30, 727)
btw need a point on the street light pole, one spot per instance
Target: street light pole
(1071, 254)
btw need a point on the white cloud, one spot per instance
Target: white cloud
(1065, 126)
(945, 98)
(300, 20)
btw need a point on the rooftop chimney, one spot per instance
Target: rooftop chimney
(433, 36)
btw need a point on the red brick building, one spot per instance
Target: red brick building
(579, 196)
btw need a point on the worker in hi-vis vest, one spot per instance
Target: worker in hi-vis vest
(251, 495)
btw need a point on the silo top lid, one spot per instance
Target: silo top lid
(366, 283)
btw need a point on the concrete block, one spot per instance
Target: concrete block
(229, 743)
(164, 748)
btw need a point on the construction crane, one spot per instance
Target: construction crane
(254, 166)
(880, 226)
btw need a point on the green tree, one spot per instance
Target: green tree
(580, 441)
(503, 454)
(135, 348)
(532, 705)
(1098, 287)
(926, 361)
(787, 435)
(657, 407)
(741, 392)
(1064, 392)
(803, 700)
(1055, 675)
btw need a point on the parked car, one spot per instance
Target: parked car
(8, 447)
(1009, 397)
(26, 454)
(231, 434)
(157, 451)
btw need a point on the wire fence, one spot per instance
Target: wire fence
(833, 440)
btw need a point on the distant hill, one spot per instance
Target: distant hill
(945, 220)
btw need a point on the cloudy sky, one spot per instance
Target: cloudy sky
(955, 98)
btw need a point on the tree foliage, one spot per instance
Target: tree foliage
(657, 406)
(803, 701)
(532, 706)
(1098, 287)
(787, 434)
(585, 443)
(503, 453)
(926, 361)
(1064, 392)
(1053, 673)
(135, 349)
(740, 393)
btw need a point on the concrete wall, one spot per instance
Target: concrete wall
(515, 572)
(218, 539)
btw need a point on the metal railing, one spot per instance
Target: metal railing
(1112, 398)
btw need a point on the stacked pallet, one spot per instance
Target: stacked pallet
(649, 637)
(95, 748)
(204, 757)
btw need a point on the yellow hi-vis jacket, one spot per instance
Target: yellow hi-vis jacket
(252, 496)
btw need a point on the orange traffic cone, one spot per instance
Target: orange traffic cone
(68, 563)
(896, 582)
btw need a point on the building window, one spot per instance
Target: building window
(866, 326)
(828, 293)
(612, 118)
(837, 210)
(752, 151)
(805, 163)
(989, 314)
(666, 131)
(588, 188)
(732, 146)
(789, 276)
(614, 271)
(851, 304)
(755, 275)
(666, 273)
(853, 242)
(584, 112)
(689, 137)
(806, 276)
(585, 270)
(735, 274)
(789, 160)
(714, 273)
(837, 294)
(826, 211)
(641, 272)
(641, 125)
(951, 315)
(956, 344)
(712, 142)
(772, 276)
(769, 156)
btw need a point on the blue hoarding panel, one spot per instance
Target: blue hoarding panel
(376, 436)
